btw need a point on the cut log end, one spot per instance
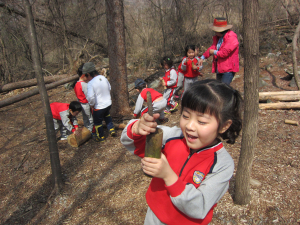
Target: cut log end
(83, 135)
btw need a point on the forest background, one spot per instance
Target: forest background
(72, 32)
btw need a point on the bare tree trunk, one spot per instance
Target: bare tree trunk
(117, 57)
(51, 136)
(251, 71)
(295, 49)
(7, 75)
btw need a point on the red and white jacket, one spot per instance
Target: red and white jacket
(81, 91)
(203, 178)
(143, 97)
(227, 58)
(171, 78)
(186, 66)
(60, 111)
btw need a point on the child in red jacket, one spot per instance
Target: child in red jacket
(158, 101)
(170, 83)
(81, 92)
(194, 170)
(189, 66)
(64, 117)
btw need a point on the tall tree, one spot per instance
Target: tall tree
(294, 54)
(250, 124)
(117, 57)
(51, 136)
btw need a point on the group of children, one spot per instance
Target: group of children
(194, 169)
(173, 81)
(93, 105)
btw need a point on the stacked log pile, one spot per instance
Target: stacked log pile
(279, 100)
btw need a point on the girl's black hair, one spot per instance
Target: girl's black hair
(141, 86)
(217, 99)
(188, 47)
(75, 106)
(166, 60)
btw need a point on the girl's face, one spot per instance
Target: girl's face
(166, 66)
(200, 130)
(190, 53)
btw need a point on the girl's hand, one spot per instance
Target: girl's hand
(200, 62)
(159, 168)
(145, 125)
(211, 51)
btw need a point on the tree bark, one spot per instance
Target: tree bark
(51, 135)
(295, 49)
(250, 123)
(29, 83)
(117, 57)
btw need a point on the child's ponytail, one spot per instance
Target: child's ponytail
(234, 130)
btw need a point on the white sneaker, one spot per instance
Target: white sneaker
(63, 138)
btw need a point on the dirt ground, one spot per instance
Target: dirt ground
(104, 183)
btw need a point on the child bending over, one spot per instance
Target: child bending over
(158, 102)
(64, 117)
(194, 170)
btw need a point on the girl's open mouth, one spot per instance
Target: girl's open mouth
(191, 138)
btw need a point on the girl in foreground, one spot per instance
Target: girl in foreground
(194, 170)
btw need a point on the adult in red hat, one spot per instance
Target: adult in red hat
(225, 51)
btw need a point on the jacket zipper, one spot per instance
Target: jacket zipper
(190, 155)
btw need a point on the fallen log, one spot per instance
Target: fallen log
(83, 135)
(29, 83)
(284, 98)
(261, 94)
(35, 91)
(280, 105)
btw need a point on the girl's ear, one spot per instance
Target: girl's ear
(226, 126)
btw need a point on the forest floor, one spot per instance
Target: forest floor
(104, 183)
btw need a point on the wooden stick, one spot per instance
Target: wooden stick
(153, 140)
(292, 122)
(149, 103)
